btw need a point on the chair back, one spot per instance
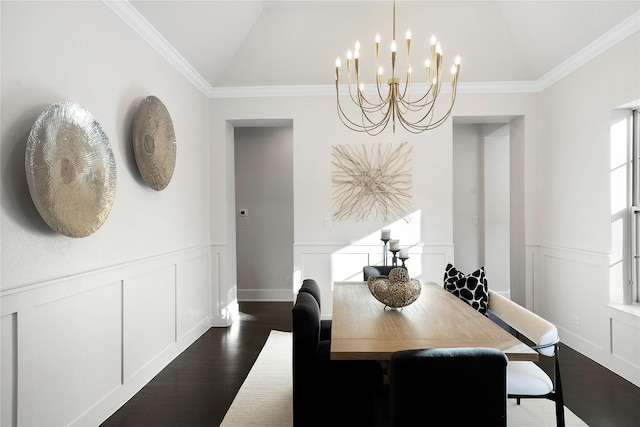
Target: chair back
(540, 331)
(456, 386)
(311, 286)
(377, 270)
(305, 316)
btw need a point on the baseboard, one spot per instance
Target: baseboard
(266, 295)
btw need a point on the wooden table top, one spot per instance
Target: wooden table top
(362, 329)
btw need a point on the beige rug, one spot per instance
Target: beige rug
(265, 397)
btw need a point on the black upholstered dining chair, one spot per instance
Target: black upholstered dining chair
(327, 392)
(455, 386)
(311, 286)
(377, 270)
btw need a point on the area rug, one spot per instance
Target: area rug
(265, 397)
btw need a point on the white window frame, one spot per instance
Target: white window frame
(634, 208)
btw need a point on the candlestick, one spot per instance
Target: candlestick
(404, 255)
(403, 260)
(384, 251)
(394, 261)
(385, 235)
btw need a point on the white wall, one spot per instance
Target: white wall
(264, 190)
(87, 322)
(569, 267)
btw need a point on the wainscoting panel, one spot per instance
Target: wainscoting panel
(77, 341)
(8, 369)
(223, 290)
(193, 299)
(575, 289)
(149, 317)
(623, 348)
(75, 349)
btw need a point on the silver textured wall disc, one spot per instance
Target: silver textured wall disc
(154, 143)
(71, 171)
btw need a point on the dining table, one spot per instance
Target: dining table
(363, 328)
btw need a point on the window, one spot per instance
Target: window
(635, 207)
(624, 268)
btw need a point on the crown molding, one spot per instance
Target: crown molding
(135, 20)
(140, 25)
(330, 90)
(595, 48)
(271, 91)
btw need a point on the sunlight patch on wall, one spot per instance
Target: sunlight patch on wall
(348, 261)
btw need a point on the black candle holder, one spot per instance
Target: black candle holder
(395, 258)
(403, 261)
(385, 240)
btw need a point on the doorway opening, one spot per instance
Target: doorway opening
(488, 201)
(263, 164)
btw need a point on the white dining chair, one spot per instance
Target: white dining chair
(527, 379)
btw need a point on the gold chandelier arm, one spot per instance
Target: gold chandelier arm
(424, 101)
(363, 103)
(343, 117)
(415, 128)
(373, 128)
(371, 107)
(360, 97)
(380, 124)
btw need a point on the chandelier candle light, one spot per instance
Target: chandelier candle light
(415, 116)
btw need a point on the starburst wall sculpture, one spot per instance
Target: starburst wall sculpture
(371, 181)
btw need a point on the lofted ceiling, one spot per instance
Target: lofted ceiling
(290, 43)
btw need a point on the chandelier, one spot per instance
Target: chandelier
(395, 104)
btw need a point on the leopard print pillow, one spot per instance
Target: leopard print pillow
(471, 288)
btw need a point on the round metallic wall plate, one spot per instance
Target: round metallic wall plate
(154, 143)
(71, 170)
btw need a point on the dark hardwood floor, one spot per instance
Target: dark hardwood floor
(197, 388)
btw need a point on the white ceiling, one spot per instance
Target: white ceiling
(288, 43)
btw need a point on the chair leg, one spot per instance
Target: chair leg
(559, 414)
(559, 399)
